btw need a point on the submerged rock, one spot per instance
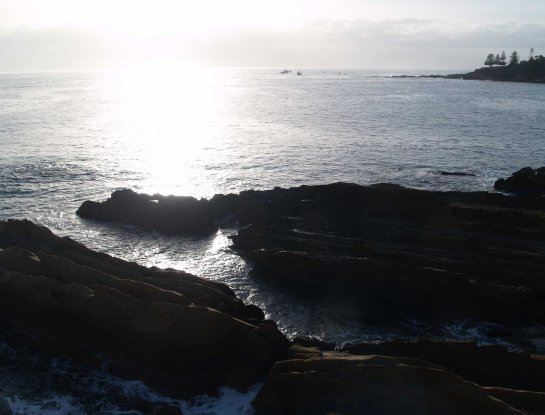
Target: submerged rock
(181, 333)
(454, 173)
(526, 180)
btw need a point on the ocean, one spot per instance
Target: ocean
(69, 137)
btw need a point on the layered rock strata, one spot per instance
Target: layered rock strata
(489, 365)
(380, 251)
(179, 332)
(325, 382)
(187, 335)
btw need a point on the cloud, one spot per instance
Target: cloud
(397, 43)
(52, 49)
(427, 32)
(408, 43)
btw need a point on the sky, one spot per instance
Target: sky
(50, 35)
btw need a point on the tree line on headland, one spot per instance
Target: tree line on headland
(531, 70)
(514, 59)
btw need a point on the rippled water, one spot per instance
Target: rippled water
(68, 137)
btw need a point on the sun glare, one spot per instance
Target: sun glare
(165, 111)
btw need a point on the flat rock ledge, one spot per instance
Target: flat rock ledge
(316, 382)
(378, 252)
(178, 332)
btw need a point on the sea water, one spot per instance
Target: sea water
(69, 137)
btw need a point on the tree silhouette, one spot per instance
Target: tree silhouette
(502, 58)
(497, 60)
(514, 59)
(490, 60)
(530, 70)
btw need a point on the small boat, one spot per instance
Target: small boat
(285, 71)
(299, 73)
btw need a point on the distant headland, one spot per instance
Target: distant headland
(531, 70)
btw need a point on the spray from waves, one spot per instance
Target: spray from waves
(36, 384)
(229, 402)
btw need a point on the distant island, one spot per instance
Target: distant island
(531, 70)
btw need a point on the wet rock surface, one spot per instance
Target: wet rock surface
(380, 251)
(180, 333)
(526, 180)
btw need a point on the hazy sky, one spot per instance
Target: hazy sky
(388, 34)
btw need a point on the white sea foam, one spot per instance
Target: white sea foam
(56, 405)
(230, 402)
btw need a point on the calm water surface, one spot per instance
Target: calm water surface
(68, 137)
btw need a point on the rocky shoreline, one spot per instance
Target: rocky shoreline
(379, 251)
(477, 75)
(180, 333)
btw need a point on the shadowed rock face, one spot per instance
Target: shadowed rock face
(381, 251)
(403, 377)
(353, 385)
(486, 365)
(179, 332)
(171, 215)
(526, 180)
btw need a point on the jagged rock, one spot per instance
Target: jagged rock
(177, 331)
(377, 252)
(488, 365)
(354, 385)
(383, 251)
(526, 180)
(172, 215)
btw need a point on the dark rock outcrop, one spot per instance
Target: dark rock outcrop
(485, 365)
(529, 403)
(345, 384)
(181, 333)
(383, 251)
(171, 215)
(423, 377)
(532, 70)
(455, 173)
(525, 181)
